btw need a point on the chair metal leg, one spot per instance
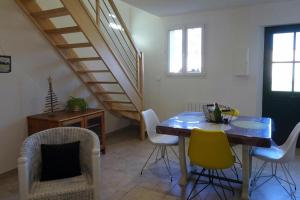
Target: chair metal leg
(159, 149)
(222, 187)
(174, 152)
(214, 187)
(258, 173)
(288, 178)
(289, 174)
(148, 159)
(167, 162)
(194, 186)
(291, 193)
(231, 188)
(236, 156)
(235, 172)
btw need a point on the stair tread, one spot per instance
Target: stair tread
(71, 29)
(110, 92)
(106, 82)
(83, 59)
(132, 115)
(75, 45)
(57, 12)
(124, 110)
(92, 71)
(118, 101)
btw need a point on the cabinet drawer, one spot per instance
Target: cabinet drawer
(78, 122)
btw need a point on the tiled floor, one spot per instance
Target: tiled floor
(121, 179)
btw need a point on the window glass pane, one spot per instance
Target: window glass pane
(297, 78)
(282, 74)
(175, 51)
(283, 47)
(194, 50)
(297, 53)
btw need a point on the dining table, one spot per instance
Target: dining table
(248, 131)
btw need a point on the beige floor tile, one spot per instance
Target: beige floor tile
(121, 179)
(140, 193)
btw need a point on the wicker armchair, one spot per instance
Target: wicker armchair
(81, 187)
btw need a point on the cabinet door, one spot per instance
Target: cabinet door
(95, 123)
(79, 122)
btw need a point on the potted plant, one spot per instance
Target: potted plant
(76, 104)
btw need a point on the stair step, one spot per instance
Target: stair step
(75, 45)
(101, 82)
(72, 29)
(117, 101)
(92, 71)
(124, 108)
(131, 115)
(83, 59)
(110, 92)
(58, 12)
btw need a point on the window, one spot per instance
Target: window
(285, 62)
(186, 51)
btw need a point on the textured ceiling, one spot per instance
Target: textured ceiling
(174, 7)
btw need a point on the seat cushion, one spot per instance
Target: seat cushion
(74, 188)
(164, 139)
(60, 161)
(268, 154)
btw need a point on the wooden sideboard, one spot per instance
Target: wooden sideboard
(92, 119)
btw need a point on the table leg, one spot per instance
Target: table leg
(182, 160)
(247, 167)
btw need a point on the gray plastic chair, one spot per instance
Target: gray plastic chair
(160, 141)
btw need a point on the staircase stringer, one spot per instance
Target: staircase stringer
(92, 33)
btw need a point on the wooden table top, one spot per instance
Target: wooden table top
(65, 115)
(252, 131)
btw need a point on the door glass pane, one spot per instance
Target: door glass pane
(297, 78)
(175, 51)
(297, 53)
(194, 50)
(283, 47)
(282, 74)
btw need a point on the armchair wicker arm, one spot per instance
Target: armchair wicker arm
(96, 172)
(24, 180)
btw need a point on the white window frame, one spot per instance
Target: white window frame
(184, 51)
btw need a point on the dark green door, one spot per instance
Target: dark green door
(281, 85)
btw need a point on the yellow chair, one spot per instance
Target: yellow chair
(211, 151)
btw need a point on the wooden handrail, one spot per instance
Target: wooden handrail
(118, 15)
(98, 13)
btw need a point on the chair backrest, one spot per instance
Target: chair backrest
(31, 147)
(290, 144)
(210, 149)
(151, 121)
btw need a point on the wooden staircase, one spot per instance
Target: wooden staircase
(102, 55)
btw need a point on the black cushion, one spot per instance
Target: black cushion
(60, 161)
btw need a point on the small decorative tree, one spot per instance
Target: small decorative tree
(52, 103)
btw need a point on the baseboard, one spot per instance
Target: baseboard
(130, 126)
(8, 173)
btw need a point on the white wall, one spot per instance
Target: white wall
(227, 33)
(23, 91)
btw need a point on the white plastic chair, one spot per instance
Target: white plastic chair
(160, 141)
(278, 155)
